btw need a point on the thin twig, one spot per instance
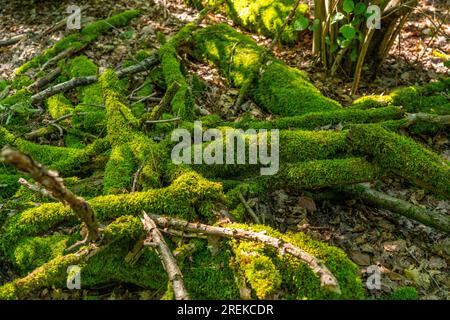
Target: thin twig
(156, 240)
(164, 120)
(248, 208)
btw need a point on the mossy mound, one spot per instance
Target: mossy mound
(280, 89)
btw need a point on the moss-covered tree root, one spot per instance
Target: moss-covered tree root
(281, 89)
(402, 156)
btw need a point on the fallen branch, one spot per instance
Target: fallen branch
(427, 217)
(163, 106)
(248, 208)
(164, 120)
(156, 240)
(41, 82)
(80, 81)
(51, 181)
(13, 40)
(429, 118)
(327, 279)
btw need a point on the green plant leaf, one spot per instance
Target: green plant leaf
(345, 43)
(348, 31)
(360, 8)
(348, 6)
(316, 25)
(354, 54)
(338, 16)
(301, 23)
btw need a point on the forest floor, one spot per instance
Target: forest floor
(406, 252)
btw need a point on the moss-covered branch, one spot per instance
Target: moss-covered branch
(402, 156)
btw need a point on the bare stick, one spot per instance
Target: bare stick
(429, 118)
(427, 217)
(248, 208)
(327, 279)
(41, 82)
(13, 40)
(163, 106)
(163, 120)
(51, 181)
(156, 240)
(80, 81)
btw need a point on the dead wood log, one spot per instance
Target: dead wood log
(425, 216)
(327, 279)
(156, 240)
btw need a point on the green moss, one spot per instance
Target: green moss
(402, 156)
(281, 89)
(314, 120)
(21, 82)
(404, 293)
(124, 228)
(3, 84)
(430, 98)
(185, 197)
(22, 97)
(33, 252)
(367, 102)
(58, 106)
(294, 146)
(208, 276)
(8, 185)
(119, 170)
(324, 173)
(52, 273)
(182, 102)
(265, 16)
(258, 269)
(131, 148)
(87, 35)
(89, 116)
(297, 279)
